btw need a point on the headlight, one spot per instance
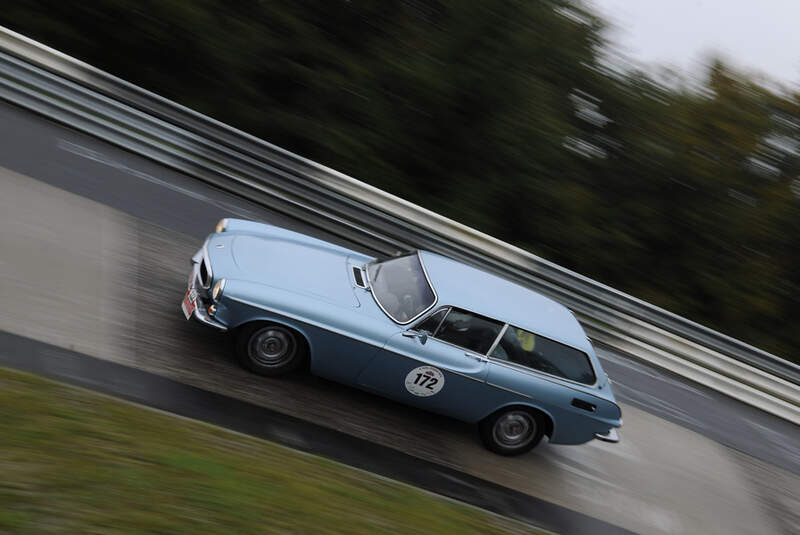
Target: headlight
(221, 226)
(219, 287)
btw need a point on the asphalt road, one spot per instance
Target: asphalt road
(93, 253)
(158, 392)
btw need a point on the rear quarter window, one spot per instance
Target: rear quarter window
(545, 355)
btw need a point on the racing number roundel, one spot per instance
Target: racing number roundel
(424, 381)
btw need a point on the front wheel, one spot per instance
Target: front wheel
(271, 350)
(512, 431)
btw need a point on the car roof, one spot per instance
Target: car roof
(470, 288)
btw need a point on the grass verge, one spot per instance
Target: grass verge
(74, 461)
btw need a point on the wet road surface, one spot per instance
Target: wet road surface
(101, 270)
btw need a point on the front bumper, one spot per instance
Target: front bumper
(201, 314)
(612, 436)
(203, 300)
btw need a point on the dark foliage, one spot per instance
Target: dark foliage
(500, 115)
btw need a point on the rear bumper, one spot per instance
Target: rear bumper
(612, 436)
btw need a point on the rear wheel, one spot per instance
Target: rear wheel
(270, 349)
(512, 431)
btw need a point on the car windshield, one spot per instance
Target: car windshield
(401, 288)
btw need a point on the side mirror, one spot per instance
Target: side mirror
(422, 336)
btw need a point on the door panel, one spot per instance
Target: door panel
(461, 393)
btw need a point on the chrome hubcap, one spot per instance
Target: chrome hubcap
(272, 346)
(515, 428)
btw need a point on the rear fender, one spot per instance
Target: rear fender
(551, 428)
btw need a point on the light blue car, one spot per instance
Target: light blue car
(420, 328)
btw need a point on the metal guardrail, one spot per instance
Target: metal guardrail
(69, 91)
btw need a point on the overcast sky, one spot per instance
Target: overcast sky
(757, 35)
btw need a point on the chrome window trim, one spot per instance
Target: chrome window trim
(451, 344)
(451, 307)
(430, 285)
(365, 271)
(497, 340)
(423, 320)
(439, 326)
(539, 372)
(363, 276)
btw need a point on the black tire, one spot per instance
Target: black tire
(270, 349)
(512, 431)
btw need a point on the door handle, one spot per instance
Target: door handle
(479, 358)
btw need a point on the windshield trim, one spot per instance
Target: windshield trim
(430, 285)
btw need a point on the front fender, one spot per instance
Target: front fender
(340, 347)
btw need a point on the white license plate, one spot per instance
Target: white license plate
(188, 304)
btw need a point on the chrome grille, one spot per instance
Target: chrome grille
(205, 278)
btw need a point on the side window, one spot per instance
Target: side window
(469, 331)
(539, 353)
(431, 323)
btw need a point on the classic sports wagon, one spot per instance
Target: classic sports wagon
(420, 328)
